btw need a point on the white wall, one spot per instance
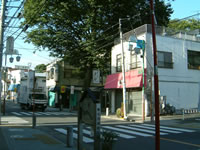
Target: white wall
(49, 81)
(179, 84)
(16, 76)
(117, 49)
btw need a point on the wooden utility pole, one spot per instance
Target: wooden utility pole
(156, 88)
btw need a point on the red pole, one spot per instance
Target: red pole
(156, 88)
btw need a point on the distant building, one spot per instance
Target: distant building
(65, 84)
(178, 69)
(11, 80)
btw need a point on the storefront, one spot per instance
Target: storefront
(134, 93)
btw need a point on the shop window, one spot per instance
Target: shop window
(165, 59)
(193, 60)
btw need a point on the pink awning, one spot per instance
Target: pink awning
(133, 79)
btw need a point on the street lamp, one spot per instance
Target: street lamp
(140, 44)
(11, 59)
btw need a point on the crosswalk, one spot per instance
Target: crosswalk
(130, 131)
(43, 113)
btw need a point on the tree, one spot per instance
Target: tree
(40, 68)
(184, 25)
(82, 32)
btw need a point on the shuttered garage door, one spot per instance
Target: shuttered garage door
(135, 102)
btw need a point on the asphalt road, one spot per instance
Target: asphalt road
(175, 134)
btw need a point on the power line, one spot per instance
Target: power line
(26, 26)
(19, 7)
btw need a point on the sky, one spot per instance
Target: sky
(182, 9)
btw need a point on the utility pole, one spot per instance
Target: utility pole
(123, 70)
(156, 88)
(2, 21)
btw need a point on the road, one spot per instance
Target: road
(131, 136)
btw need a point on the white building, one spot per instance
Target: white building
(178, 69)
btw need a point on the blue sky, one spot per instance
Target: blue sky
(182, 9)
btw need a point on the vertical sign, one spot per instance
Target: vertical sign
(72, 90)
(10, 45)
(96, 76)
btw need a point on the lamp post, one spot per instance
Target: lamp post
(11, 59)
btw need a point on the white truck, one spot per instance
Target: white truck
(33, 91)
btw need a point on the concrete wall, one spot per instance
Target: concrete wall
(179, 84)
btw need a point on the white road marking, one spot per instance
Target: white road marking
(85, 139)
(163, 130)
(26, 113)
(127, 131)
(144, 129)
(15, 113)
(14, 120)
(177, 129)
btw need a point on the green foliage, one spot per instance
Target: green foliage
(118, 112)
(108, 138)
(40, 68)
(184, 25)
(80, 31)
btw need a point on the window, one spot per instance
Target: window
(193, 60)
(47, 75)
(134, 61)
(52, 73)
(165, 60)
(119, 63)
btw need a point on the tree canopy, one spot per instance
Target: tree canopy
(83, 31)
(40, 68)
(184, 25)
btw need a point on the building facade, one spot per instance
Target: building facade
(178, 56)
(65, 84)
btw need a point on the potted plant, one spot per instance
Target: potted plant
(108, 138)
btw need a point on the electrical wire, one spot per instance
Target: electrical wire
(26, 26)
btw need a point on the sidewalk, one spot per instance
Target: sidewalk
(23, 138)
(138, 119)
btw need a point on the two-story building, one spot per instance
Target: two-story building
(65, 84)
(178, 57)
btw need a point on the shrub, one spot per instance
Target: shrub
(118, 112)
(108, 138)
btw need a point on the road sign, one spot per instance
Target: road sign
(62, 89)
